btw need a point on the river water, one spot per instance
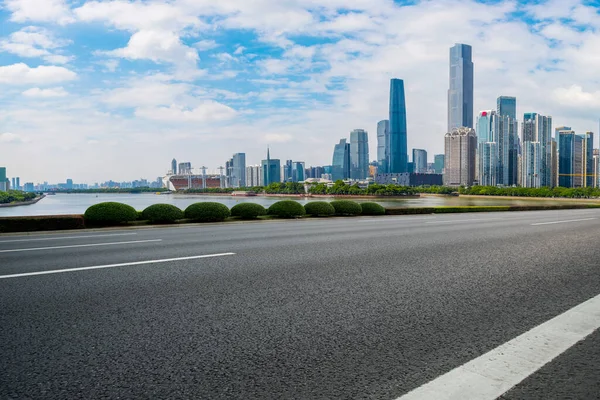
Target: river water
(61, 204)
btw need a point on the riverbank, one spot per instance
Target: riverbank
(304, 196)
(23, 203)
(562, 199)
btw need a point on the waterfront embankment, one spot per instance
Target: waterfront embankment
(23, 203)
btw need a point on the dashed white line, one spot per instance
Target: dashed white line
(563, 222)
(60, 271)
(489, 376)
(79, 245)
(65, 237)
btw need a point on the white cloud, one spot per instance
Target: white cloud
(277, 138)
(8, 137)
(204, 45)
(22, 74)
(575, 97)
(39, 11)
(208, 111)
(32, 42)
(45, 93)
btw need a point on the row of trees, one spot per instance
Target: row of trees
(15, 196)
(572, 193)
(144, 189)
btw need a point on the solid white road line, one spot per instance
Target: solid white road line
(563, 222)
(60, 271)
(79, 245)
(65, 237)
(489, 376)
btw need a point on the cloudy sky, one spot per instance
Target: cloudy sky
(98, 90)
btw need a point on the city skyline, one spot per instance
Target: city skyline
(68, 102)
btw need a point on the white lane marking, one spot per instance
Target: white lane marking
(393, 219)
(79, 245)
(60, 271)
(563, 222)
(464, 220)
(494, 373)
(65, 237)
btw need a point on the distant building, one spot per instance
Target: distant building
(398, 159)
(460, 150)
(507, 105)
(460, 93)
(538, 128)
(438, 163)
(383, 146)
(28, 187)
(419, 157)
(271, 170)
(576, 159)
(174, 167)
(359, 154)
(235, 170)
(340, 165)
(298, 173)
(69, 184)
(254, 176)
(3, 180)
(531, 165)
(409, 179)
(185, 168)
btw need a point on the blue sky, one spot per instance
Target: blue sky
(96, 90)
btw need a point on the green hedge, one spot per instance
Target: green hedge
(372, 209)
(162, 213)
(110, 213)
(319, 209)
(207, 212)
(248, 210)
(346, 207)
(41, 223)
(286, 209)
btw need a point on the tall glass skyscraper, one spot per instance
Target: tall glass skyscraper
(359, 154)
(506, 105)
(460, 94)
(340, 165)
(419, 161)
(398, 145)
(174, 166)
(383, 146)
(271, 170)
(538, 128)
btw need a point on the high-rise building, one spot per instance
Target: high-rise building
(174, 167)
(460, 94)
(538, 128)
(18, 182)
(13, 184)
(287, 171)
(438, 163)
(506, 105)
(383, 146)
(254, 176)
(596, 168)
(531, 164)
(185, 168)
(236, 170)
(588, 159)
(419, 159)
(487, 148)
(271, 170)
(359, 154)
(3, 180)
(460, 150)
(397, 127)
(69, 184)
(340, 165)
(298, 173)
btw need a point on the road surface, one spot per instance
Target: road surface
(504, 304)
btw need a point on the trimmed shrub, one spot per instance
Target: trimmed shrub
(248, 210)
(372, 209)
(346, 207)
(140, 215)
(207, 212)
(110, 213)
(286, 209)
(162, 213)
(41, 223)
(319, 209)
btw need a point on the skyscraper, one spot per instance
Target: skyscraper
(340, 165)
(236, 170)
(419, 159)
(507, 105)
(438, 163)
(174, 167)
(3, 180)
(460, 149)
(298, 171)
(271, 170)
(359, 154)
(383, 146)
(460, 94)
(487, 148)
(398, 145)
(538, 128)
(287, 171)
(532, 165)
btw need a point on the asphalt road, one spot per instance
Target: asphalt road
(367, 308)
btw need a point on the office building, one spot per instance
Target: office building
(383, 146)
(359, 154)
(531, 165)
(419, 159)
(340, 165)
(298, 171)
(460, 93)
(174, 167)
(438, 163)
(286, 171)
(254, 176)
(28, 187)
(397, 126)
(460, 150)
(235, 171)
(538, 128)
(588, 160)
(4, 185)
(506, 105)
(271, 170)
(185, 168)
(69, 184)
